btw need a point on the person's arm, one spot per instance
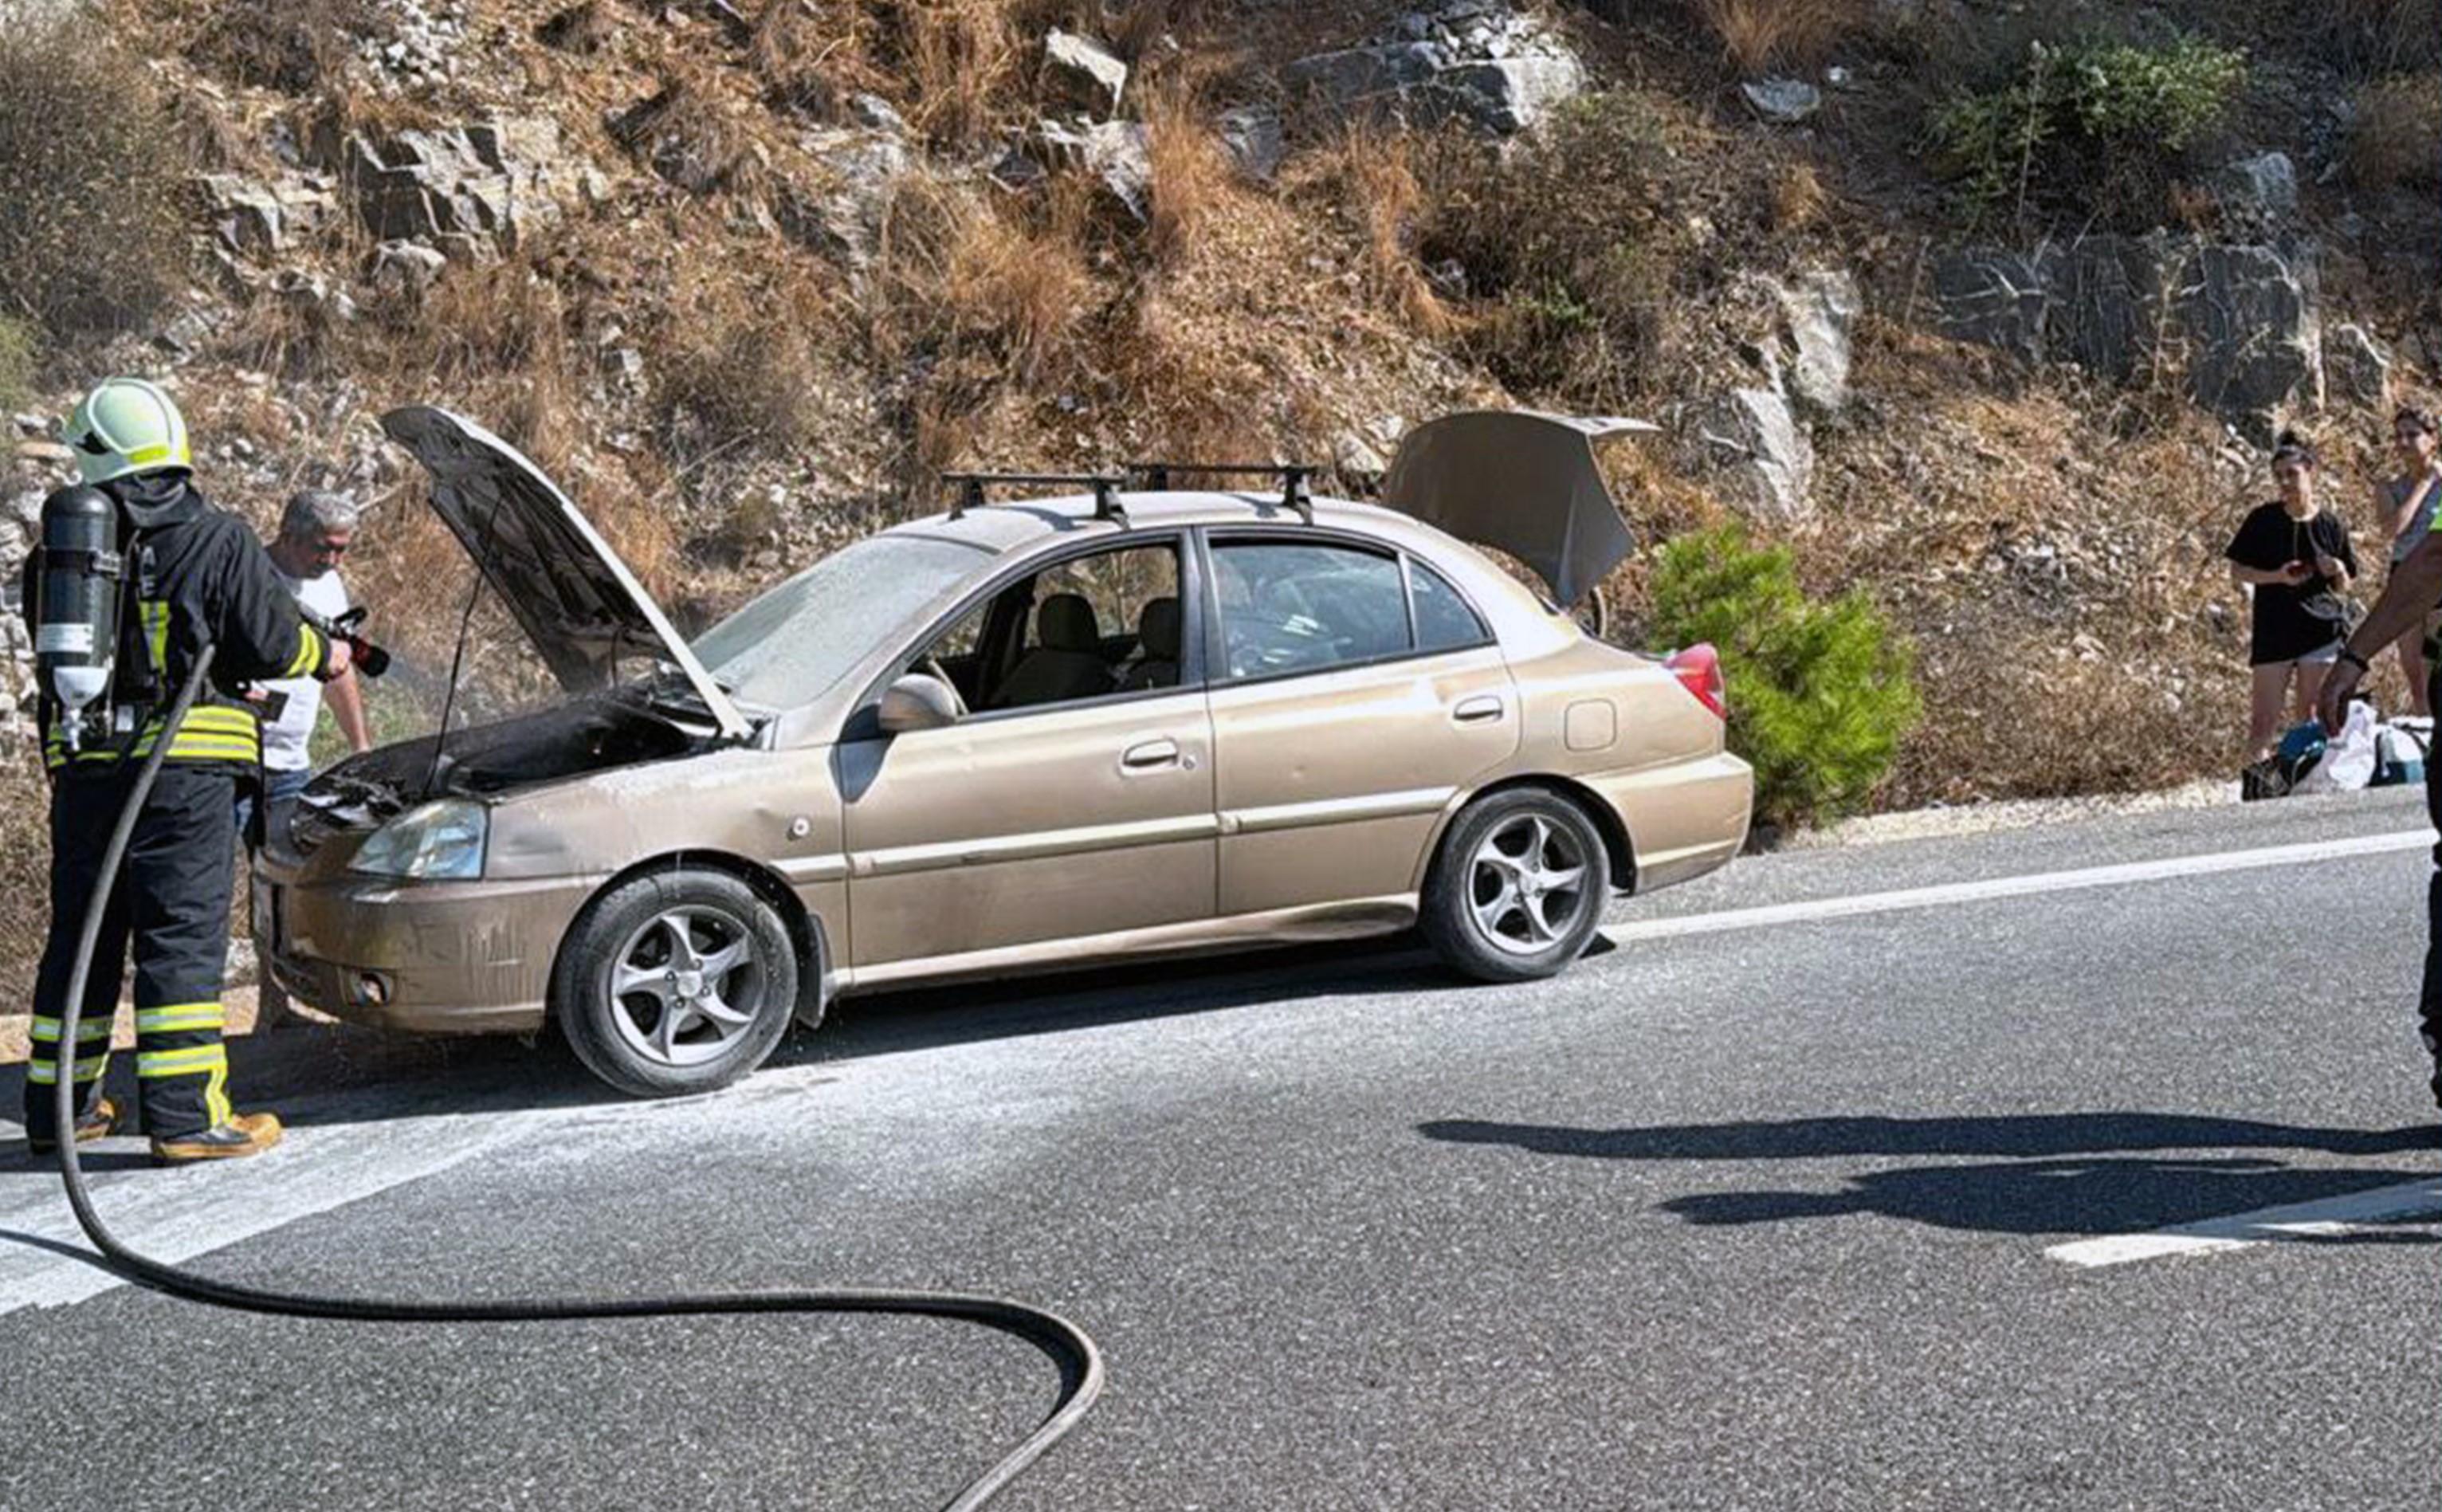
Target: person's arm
(2339, 565)
(2293, 572)
(347, 700)
(256, 622)
(2415, 588)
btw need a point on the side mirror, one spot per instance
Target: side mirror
(918, 701)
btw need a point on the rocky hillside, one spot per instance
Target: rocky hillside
(745, 275)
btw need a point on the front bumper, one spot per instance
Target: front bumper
(1684, 818)
(469, 958)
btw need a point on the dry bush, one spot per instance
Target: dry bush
(298, 47)
(1799, 198)
(1020, 285)
(91, 177)
(1191, 175)
(1582, 241)
(583, 27)
(2377, 36)
(1374, 174)
(684, 132)
(1759, 34)
(962, 57)
(732, 365)
(2397, 140)
(17, 366)
(24, 870)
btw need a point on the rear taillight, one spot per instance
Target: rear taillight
(1698, 671)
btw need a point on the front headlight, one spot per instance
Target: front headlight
(438, 841)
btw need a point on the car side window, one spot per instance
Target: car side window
(1445, 622)
(1307, 606)
(1105, 623)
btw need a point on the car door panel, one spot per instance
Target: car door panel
(1028, 826)
(1329, 784)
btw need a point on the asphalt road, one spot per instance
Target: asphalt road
(1760, 1211)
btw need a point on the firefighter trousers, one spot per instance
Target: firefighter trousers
(172, 902)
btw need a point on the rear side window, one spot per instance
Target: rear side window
(1307, 608)
(1445, 622)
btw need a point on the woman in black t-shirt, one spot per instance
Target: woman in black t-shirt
(2297, 558)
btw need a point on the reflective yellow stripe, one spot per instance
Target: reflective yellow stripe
(146, 456)
(193, 1060)
(225, 722)
(309, 651)
(88, 1027)
(179, 1016)
(216, 1102)
(210, 745)
(46, 1073)
(154, 615)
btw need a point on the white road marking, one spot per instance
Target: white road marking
(1818, 909)
(2354, 1213)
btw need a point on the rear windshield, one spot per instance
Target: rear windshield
(796, 640)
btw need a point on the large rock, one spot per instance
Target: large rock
(2238, 323)
(1113, 153)
(1818, 311)
(2355, 365)
(2261, 190)
(471, 187)
(1993, 298)
(843, 217)
(260, 219)
(1757, 452)
(1784, 102)
(1082, 72)
(1251, 136)
(1484, 61)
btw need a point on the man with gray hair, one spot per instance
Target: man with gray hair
(316, 530)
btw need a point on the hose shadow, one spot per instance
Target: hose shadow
(2066, 1173)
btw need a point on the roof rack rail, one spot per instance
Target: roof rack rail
(1293, 476)
(971, 486)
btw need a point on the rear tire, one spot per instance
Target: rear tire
(1517, 888)
(675, 982)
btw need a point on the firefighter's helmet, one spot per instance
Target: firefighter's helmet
(125, 426)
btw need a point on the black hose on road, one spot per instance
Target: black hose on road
(1081, 1363)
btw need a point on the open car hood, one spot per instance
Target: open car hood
(1523, 482)
(575, 599)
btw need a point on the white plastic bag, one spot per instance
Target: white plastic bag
(2349, 756)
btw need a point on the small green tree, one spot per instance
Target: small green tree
(1821, 693)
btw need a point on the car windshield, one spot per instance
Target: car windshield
(797, 639)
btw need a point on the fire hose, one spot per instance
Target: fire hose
(1079, 1360)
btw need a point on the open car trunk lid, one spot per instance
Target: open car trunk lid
(575, 598)
(1523, 482)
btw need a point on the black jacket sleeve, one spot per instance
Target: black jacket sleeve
(254, 618)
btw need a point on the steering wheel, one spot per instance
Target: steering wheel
(931, 667)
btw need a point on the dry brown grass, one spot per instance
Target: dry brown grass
(1191, 177)
(1022, 286)
(2379, 36)
(732, 363)
(963, 56)
(2399, 136)
(92, 178)
(25, 872)
(1799, 200)
(1759, 34)
(1373, 172)
(298, 47)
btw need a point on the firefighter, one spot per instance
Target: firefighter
(189, 573)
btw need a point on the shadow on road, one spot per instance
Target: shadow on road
(2045, 1173)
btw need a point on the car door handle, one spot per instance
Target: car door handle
(1148, 756)
(1482, 709)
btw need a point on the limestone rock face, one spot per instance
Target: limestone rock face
(1083, 73)
(468, 190)
(2238, 321)
(1484, 61)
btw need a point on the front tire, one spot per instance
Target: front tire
(1517, 888)
(675, 982)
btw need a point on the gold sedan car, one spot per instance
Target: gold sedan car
(1127, 723)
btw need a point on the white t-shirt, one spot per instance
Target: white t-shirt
(284, 740)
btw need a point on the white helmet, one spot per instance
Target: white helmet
(124, 427)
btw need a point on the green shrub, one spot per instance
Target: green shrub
(91, 175)
(16, 365)
(1579, 237)
(1820, 693)
(2090, 128)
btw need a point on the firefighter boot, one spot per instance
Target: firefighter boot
(98, 1122)
(245, 1134)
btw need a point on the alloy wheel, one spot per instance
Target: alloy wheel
(686, 985)
(1527, 884)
